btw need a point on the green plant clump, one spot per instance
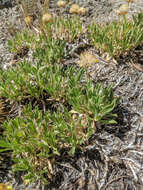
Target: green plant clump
(39, 134)
(35, 136)
(117, 37)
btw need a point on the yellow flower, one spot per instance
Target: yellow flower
(46, 18)
(61, 3)
(82, 10)
(74, 8)
(28, 20)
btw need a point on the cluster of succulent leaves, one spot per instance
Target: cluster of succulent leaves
(118, 37)
(39, 134)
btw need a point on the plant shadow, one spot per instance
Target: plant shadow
(123, 122)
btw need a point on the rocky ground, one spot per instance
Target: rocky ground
(115, 160)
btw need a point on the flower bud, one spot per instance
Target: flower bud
(61, 3)
(47, 18)
(74, 8)
(82, 10)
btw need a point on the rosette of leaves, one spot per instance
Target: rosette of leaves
(97, 102)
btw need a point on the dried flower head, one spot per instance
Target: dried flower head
(74, 9)
(28, 20)
(87, 59)
(82, 10)
(61, 3)
(124, 9)
(47, 18)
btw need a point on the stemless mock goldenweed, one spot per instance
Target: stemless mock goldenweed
(117, 37)
(43, 130)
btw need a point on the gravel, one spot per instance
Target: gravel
(114, 161)
(7, 16)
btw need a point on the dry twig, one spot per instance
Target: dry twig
(113, 180)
